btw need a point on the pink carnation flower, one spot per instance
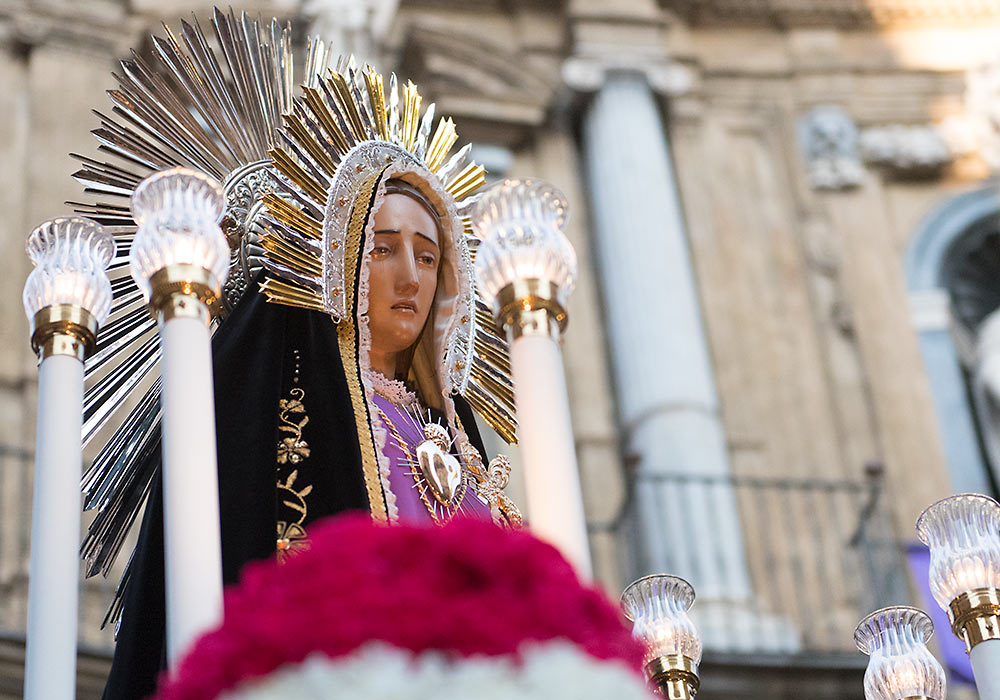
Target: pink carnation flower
(465, 589)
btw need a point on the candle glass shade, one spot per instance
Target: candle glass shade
(658, 608)
(963, 533)
(71, 255)
(521, 226)
(899, 664)
(177, 212)
(68, 294)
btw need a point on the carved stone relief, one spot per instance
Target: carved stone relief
(980, 128)
(840, 13)
(828, 141)
(905, 148)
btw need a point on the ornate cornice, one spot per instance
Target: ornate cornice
(102, 27)
(836, 13)
(478, 79)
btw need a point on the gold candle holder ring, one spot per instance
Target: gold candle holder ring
(975, 616)
(531, 307)
(675, 675)
(183, 291)
(63, 329)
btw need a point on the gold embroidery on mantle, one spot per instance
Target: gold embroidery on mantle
(292, 450)
(292, 538)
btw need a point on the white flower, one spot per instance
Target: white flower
(382, 672)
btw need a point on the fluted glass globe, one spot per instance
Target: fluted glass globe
(71, 256)
(521, 226)
(657, 605)
(899, 664)
(177, 212)
(963, 533)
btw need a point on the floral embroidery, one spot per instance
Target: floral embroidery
(292, 450)
(292, 538)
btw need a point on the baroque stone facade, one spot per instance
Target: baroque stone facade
(817, 366)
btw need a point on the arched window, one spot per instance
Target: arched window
(953, 275)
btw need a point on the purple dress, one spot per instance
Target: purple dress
(415, 498)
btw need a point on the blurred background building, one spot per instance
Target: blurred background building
(781, 344)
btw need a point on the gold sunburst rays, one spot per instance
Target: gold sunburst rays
(472, 177)
(347, 107)
(288, 165)
(496, 417)
(209, 96)
(281, 249)
(344, 99)
(492, 352)
(444, 138)
(350, 106)
(327, 120)
(281, 292)
(373, 81)
(292, 216)
(411, 113)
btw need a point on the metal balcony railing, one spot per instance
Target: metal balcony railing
(820, 553)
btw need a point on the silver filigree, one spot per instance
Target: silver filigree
(242, 227)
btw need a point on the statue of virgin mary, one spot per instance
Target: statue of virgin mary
(354, 352)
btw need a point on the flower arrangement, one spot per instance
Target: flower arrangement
(369, 611)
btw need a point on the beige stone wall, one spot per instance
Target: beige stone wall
(816, 358)
(51, 90)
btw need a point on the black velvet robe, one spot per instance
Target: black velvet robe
(255, 363)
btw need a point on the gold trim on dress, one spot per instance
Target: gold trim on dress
(347, 336)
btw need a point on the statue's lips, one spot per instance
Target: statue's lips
(405, 306)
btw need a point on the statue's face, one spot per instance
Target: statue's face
(403, 273)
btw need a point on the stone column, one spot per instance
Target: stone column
(687, 525)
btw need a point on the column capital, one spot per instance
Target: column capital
(664, 76)
(622, 37)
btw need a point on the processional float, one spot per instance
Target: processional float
(216, 172)
(201, 136)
